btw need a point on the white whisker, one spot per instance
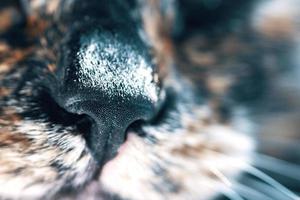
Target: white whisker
(234, 190)
(231, 194)
(251, 193)
(278, 166)
(272, 182)
(226, 185)
(266, 189)
(221, 176)
(248, 168)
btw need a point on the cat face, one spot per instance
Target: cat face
(105, 100)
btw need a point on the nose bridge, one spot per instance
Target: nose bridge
(103, 55)
(115, 66)
(108, 67)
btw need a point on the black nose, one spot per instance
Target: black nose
(111, 119)
(112, 79)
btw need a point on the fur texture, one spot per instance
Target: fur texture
(230, 113)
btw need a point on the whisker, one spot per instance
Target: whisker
(221, 176)
(231, 194)
(248, 168)
(266, 189)
(278, 166)
(272, 182)
(249, 192)
(226, 185)
(236, 190)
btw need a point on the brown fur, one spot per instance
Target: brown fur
(196, 151)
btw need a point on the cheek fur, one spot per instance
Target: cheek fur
(185, 165)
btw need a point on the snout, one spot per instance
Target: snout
(112, 79)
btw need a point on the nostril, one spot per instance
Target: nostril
(111, 121)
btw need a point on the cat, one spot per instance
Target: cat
(149, 99)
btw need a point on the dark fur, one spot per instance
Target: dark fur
(231, 66)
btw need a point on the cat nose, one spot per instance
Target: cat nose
(112, 82)
(111, 118)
